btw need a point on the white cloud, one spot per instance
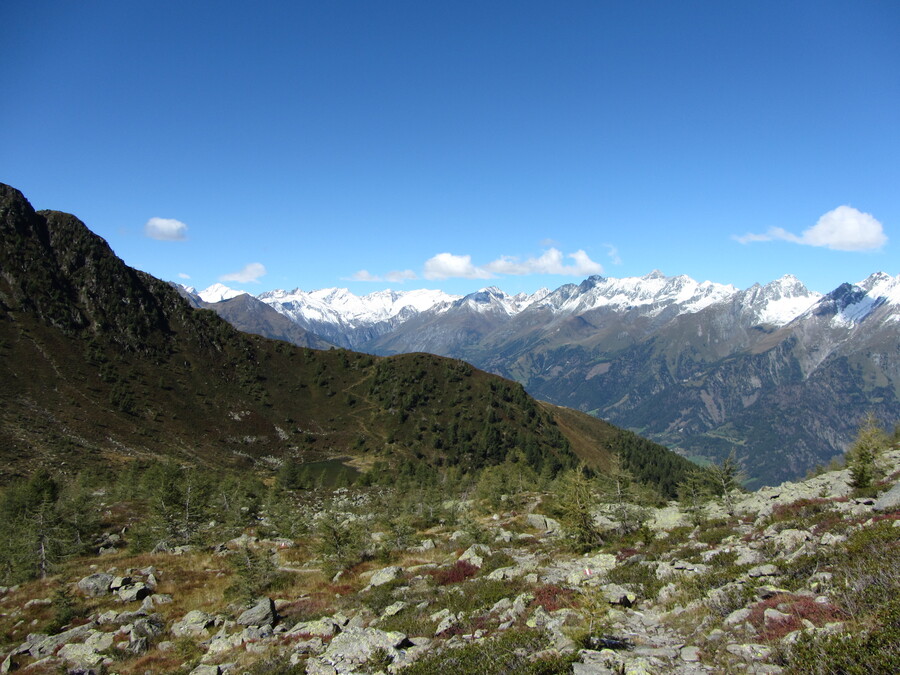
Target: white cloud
(250, 273)
(364, 275)
(551, 261)
(182, 275)
(165, 229)
(447, 266)
(843, 229)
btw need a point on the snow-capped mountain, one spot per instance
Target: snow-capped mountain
(700, 366)
(775, 303)
(349, 320)
(653, 291)
(216, 293)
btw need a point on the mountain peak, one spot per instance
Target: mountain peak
(219, 292)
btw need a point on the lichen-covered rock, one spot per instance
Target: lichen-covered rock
(95, 585)
(888, 501)
(385, 575)
(192, 624)
(474, 555)
(261, 614)
(324, 627)
(355, 646)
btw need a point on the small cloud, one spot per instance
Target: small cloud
(447, 266)
(549, 243)
(165, 229)
(843, 229)
(550, 262)
(182, 275)
(364, 275)
(250, 273)
(613, 254)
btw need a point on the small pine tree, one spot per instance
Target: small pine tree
(863, 454)
(725, 478)
(577, 501)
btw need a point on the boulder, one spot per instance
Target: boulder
(888, 501)
(768, 570)
(474, 555)
(192, 624)
(324, 627)
(80, 655)
(385, 575)
(133, 592)
(261, 614)
(618, 595)
(95, 585)
(355, 646)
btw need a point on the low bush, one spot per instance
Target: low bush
(874, 649)
(515, 651)
(456, 573)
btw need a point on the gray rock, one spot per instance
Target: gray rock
(192, 624)
(261, 614)
(95, 585)
(44, 645)
(385, 575)
(147, 628)
(889, 500)
(543, 523)
(206, 670)
(750, 652)
(80, 655)
(324, 627)
(768, 570)
(474, 555)
(738, 616)
(772, 617)
(355, 646)
(133, 592)
(618, 595)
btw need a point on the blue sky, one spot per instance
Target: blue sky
(457, 145)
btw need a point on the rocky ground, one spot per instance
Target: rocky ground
(726, 588)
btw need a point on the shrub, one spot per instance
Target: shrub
(797, 608)
(456, 573)
(515, 651)
(874, 650)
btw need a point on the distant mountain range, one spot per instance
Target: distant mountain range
(777, 372)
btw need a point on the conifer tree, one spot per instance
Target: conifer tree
(861, 458)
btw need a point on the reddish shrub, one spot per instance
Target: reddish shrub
(797, 607)
(625, 554)
(551, 597)
(457, 572)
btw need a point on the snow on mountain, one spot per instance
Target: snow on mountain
(850, 304)
(654, 291)
(340, 306)
(882, 286)
(776, 303)
(218, 293)
(779, 302)
(492, 299)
